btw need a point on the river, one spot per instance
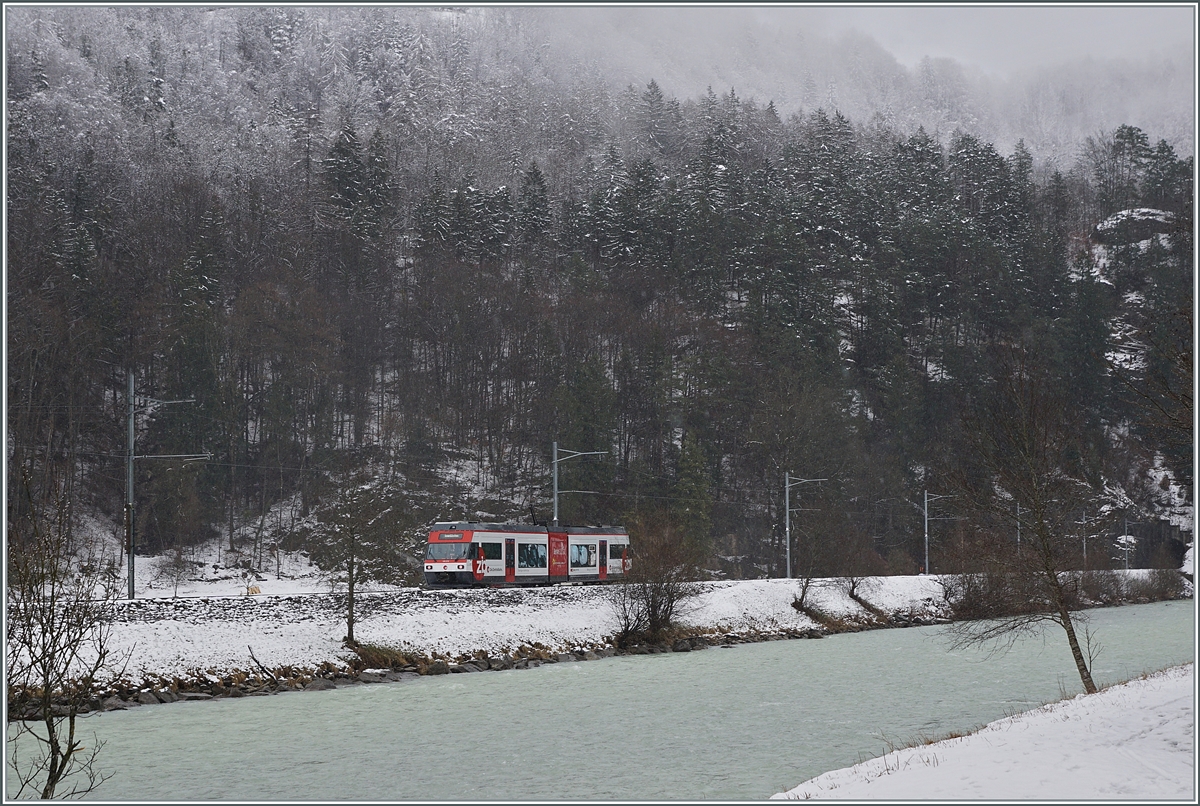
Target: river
(732, 724)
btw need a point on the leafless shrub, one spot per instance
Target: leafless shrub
(1157, 585)
(990, 594)
(174, 568)
(57, 631)
(857, 587)
(657, 589)
(1102, 587)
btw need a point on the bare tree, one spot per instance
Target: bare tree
(174, 567)
(57, 628)
(358, 544)
(1029, 447)
(656, 590)
(857, 586)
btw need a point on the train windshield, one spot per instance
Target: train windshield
(448, 551)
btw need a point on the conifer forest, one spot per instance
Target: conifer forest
(393, 255)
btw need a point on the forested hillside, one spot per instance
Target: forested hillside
(393, 256)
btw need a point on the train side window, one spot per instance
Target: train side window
(583, 556)
(493, 551)
(531, 555)
(616, 550)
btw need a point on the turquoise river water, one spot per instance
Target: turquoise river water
(730, 724)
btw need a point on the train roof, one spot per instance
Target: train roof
(594, 530)
(475, 526)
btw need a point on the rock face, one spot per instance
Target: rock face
(438, 667)
(147, 698)
(1133, 225)
(320, 684)
(682, 645)
(115, 703)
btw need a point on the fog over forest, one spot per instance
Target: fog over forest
(394, 253)
(804, 58)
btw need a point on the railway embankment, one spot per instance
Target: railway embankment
(228, 647)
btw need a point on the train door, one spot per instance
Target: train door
(510, 559)
(558, 570)
(603, 560)
(491, 554)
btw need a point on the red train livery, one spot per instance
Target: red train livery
(460, 555)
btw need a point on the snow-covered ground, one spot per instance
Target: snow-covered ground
(1131, 741)
(174, 635)
(211, 622)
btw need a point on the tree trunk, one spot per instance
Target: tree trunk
(1085, 674)
(232, 489)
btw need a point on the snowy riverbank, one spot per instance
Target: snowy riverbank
(1130, 741)
(292, 623)
(1140, 736)
(173, 636)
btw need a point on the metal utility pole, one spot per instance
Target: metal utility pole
(129, 487)
(1126, 543)
(149, 403)
(1085, 565)
(1019, 535)
(572, 455)
(788, 484)
(929, 498)
(1084, 523)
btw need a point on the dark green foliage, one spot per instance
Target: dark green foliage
(713, 295)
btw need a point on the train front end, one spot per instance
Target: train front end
(451, 559)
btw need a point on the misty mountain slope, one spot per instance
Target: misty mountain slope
(373, 245)
(769, 55)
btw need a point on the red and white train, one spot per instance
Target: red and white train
(460, 555)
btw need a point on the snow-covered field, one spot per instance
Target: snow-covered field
(1131, 741)
(175, 635)
(209, 621)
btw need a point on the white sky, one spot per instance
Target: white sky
(1001, 39)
